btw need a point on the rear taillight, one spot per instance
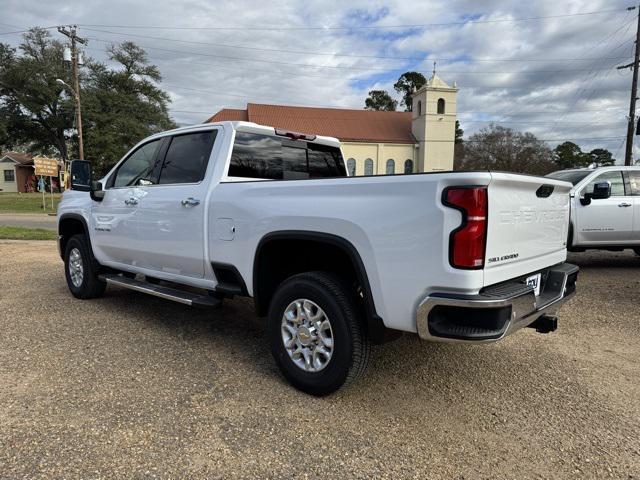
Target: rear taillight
(467, 242)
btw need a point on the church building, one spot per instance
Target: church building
(374, 142)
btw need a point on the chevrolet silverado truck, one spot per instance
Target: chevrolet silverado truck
(605, 208)
(335, 263)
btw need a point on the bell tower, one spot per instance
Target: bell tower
(433, 124)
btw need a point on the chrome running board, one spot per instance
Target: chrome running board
(168, 293)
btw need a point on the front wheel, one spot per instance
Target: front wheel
(637, 250)
(317, 335)
(81, 269)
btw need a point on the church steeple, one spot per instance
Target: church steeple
(433, 123)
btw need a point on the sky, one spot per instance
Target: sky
(547, 66)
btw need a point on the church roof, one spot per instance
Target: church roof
(344, 124)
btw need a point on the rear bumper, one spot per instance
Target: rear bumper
(496, 311)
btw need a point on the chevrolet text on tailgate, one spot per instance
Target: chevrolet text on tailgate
(208, 212)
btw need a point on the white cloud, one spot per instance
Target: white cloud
(553, 99)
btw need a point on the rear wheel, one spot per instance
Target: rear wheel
(81, 269)
(316, 332)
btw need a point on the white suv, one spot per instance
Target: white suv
(605, 208)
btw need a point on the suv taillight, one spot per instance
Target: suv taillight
(467, 242)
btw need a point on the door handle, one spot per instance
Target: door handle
(624, 204)
(190, 202)
(131, 201)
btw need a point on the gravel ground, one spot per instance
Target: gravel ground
(137, 387)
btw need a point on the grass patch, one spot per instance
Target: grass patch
(20, 233)
(27, 202)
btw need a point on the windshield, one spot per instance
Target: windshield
(573, 176)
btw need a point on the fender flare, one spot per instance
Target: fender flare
(375, 324)
(71, 216)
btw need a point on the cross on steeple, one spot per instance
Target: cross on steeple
(434, 68)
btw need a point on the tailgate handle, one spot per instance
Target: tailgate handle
(544, 191)
(624, 204)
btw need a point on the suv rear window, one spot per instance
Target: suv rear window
(273, 158)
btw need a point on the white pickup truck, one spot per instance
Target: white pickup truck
(204, 213)
(605, 208)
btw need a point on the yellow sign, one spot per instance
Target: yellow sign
(47, 167)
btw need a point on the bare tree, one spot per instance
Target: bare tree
(504, 149)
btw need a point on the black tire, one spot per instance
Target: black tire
(637, 250)
(90, 286)
(351, 345)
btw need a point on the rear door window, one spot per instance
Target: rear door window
(187, 158)
(634, 181)
(272, 158)
(614, 178)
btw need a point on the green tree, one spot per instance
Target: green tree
(408, 83)
(569, 155)
(120, 105)
(380, 100)
(500, 148)
(459, 133)
(30, 98)
(601, 157)
(123, 105)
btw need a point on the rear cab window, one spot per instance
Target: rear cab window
(269, 157)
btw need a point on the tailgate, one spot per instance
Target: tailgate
(528, 224)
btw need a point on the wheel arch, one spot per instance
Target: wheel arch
(71, 224)
(331, 252)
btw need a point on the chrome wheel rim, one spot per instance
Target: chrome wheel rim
(76, 269)
(307, 335)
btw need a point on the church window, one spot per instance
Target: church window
(408, 166)
(351, 167)
(368, 167)
(391, 167)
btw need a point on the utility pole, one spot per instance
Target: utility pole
(628, 156)
(71, 34)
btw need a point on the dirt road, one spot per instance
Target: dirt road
(133, 386)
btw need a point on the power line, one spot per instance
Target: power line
(547, 139)
(13, 33)
(341, 67)
(545, 123)
(359, 27)
(349, 55)
(608, 39)
(542, 112)
(291, 74)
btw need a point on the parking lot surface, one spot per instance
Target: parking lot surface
(131, 386)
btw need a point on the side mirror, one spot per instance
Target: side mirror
(81, 175)
(81, 180)
(601, 190)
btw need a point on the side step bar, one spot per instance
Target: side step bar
(168, 293)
